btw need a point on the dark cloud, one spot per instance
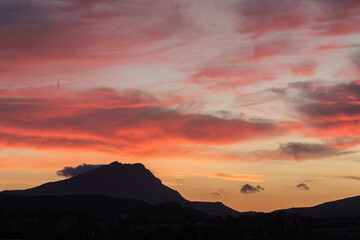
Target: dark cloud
(74, 171)
(322, 100)
(303, 186)
(300, 151)
(326, 110)
(333, 96)
(246, 189)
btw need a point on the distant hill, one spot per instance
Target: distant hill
(212, 208)
(101, 207)
(128, 181)
(348, 207)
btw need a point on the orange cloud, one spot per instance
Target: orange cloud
(110, 121)
(239, 177)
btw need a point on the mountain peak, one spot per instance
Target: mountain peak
(118, 164)
(123, 173)
(115, 163)
(132, 181)
(122, 180)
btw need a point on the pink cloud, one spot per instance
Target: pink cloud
(106, 120)
(337, 46)
(85, 33)
(275, 47)
(230, 77)
(303, 68)
(259, 17)
(329, 110)
(330, 18)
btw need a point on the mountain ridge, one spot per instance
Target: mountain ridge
(127, 181)
(115, 180)
(346, 207)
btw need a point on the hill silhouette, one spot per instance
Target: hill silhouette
(343, 208)
(101, 207)
(132, 181)
(126, 181)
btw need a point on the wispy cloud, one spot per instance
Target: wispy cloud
(299, 151)
(326, 110)
(239, 177)
(111, 121)
(349, 177)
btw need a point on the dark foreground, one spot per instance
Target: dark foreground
(95, 217)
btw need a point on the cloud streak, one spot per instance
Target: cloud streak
(299, 151)
(324, 18)
(356, 178)
(106, 120)
(239, 177)
(40, 31)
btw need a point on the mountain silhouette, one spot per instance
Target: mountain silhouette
(100, 207)
(127, 181)
(132, 181)
(343, 208)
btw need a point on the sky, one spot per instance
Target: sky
(254, 103)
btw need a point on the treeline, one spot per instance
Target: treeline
(52, 224)
(106, 218)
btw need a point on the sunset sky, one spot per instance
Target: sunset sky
(210, 95)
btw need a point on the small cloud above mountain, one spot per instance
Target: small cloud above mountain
(246, 189)
(302, 186)
(74, 171)
(219, 192)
